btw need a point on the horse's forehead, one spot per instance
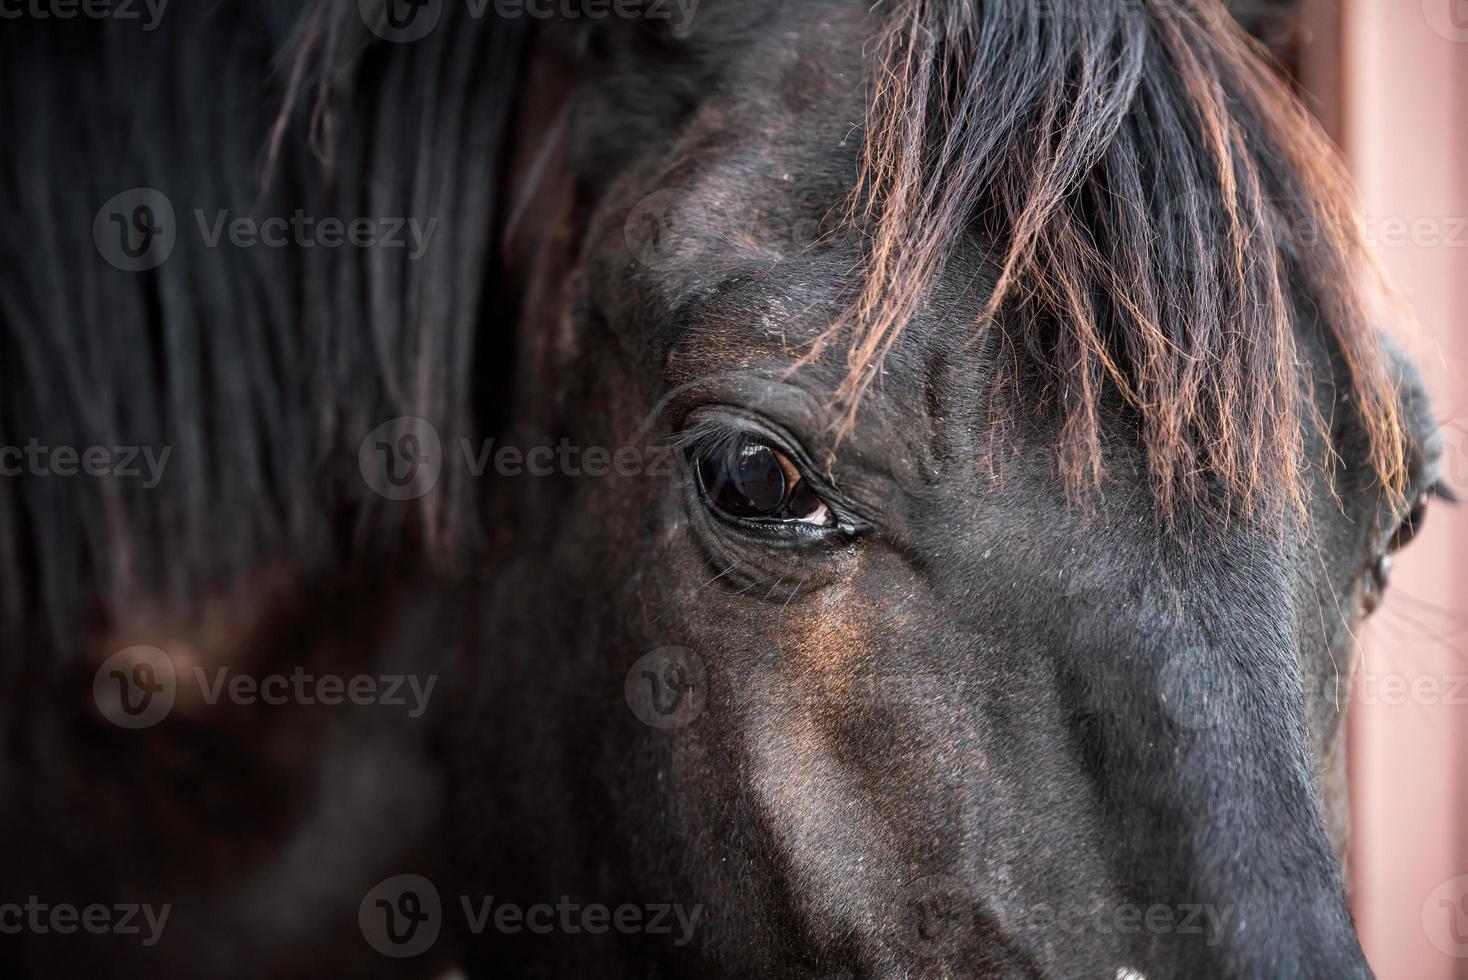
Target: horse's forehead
(819, 63)
(794, 98)
(755, 254)
(744, 207)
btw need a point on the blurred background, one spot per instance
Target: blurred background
(1389, 79)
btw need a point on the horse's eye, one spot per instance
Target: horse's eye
(753, 481)
(1410, 526)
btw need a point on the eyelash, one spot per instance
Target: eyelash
(707, 437)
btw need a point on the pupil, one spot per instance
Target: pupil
(746, 482)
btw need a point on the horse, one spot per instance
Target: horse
(1012, 445)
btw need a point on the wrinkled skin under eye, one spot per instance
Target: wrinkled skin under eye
(752, 481)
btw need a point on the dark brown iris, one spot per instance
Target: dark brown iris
(753, 481)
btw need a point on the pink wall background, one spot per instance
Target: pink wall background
(1392, 76)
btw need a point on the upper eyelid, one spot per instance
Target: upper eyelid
(766, 395)
(713, 428)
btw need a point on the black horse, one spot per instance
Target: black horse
(1003, 456)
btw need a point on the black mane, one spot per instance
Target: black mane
(262, 368)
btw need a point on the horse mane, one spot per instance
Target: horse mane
(262, 368)
(1159, 206)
